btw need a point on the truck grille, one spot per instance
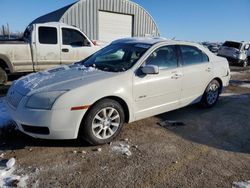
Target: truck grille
(14, 98)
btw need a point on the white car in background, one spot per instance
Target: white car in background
(129, 80)
(236, 52)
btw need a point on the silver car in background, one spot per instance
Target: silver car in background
(236, 52)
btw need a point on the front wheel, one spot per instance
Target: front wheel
(103, 122)
(3, 76)
(211, 94)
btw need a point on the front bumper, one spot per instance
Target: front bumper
(61, 124)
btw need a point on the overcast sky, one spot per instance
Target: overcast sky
(193, 20)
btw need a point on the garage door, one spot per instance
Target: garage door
(114, 26)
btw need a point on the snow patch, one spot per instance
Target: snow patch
(122, 149)
(243, 184)
(35, 80)
(245, 85)
(235, 73)
(5, 118)
(8, 178)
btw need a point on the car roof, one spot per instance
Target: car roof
(55, 24)
(142, 40)
(154, 40)
(240, 42)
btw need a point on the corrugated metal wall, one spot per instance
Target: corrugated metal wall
(84, 14)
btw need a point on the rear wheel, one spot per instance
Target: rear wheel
(3, 76)
(103, 122)
(211, 95)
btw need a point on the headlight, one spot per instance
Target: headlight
(43, 100)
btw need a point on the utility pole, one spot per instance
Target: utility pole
(8, 30)
(3, 31)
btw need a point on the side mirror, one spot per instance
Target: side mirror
(150, 69)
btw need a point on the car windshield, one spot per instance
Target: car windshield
(117, 57)
(232, 45)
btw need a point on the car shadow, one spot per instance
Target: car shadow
(12, 139)
(225, 127)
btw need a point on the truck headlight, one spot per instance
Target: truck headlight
(43, 100)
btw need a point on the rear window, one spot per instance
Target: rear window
(232, 44)
(192, 55)
(47, 35)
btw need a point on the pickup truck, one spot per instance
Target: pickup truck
(44, 46)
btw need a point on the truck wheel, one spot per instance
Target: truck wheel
(3, 76)
(103, 122)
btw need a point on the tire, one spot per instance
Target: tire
(245, 63)
(98, 128)
(3, 76)
(211, 94)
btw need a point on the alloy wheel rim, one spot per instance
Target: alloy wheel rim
(212, 94)
(106, 123)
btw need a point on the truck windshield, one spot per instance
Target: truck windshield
(236, 45)
(117, 57)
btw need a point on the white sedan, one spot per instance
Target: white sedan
(128, 80)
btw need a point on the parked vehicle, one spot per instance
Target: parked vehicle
(44, 46)
(128, 80)
(236, 52)
(214, 47)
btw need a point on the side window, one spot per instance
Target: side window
(74, 38)
(164, 57)
(192, 55)
(47, 35)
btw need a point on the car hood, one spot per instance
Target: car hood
(60, 78)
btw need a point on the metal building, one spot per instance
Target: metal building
(105, 20)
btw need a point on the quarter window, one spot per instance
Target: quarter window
(47, 35)
(74, 38)
(192, 55)
(164, 57)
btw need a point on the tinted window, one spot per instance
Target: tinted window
(74, 38)
(205, 57)
(192, 55)
(232, 44)
(47, 35)
(164, 57)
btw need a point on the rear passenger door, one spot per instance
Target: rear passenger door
(47, 47)
(197, 73)
(75, 46)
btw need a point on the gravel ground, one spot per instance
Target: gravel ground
(209, 148)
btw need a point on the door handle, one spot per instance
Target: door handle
(176, 76)
(65, 50)
(208, 69)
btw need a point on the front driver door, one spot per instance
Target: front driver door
(75, 46)
(158, 93)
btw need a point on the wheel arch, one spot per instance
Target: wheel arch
(220, 82)
(6, 64)
(121, 101)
